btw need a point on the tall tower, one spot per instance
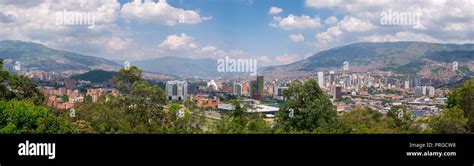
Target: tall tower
(321, 79)
(331, 77)
(260, 84)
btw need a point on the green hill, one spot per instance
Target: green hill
(95, 76)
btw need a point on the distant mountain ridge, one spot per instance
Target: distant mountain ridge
(37, 56)
(383, 55)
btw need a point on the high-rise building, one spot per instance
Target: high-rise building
(253, 88)
(415, 81)
(176, 90)
(238, 89)
(321, 79)
(270, 89)
(430, 91)
(424, 91)
(257, 88)
(407, 84)
(245, 89)
(331, 77)
(261, 84)
(337, 93)
(419, 91)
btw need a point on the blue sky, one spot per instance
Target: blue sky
(294, 30)
(235, 24)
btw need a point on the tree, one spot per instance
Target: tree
(145, 104)
(21, 117)
(307, 109)
(240, 122)
(5, 93)
(146, 96)
(126, 77)
(182, 121)
(400, 119)
(18, 87)
(83, 127)
(24, 88)
(364, 120)
(139, 111)
(449, 121)
(102, 117)
(463, 98)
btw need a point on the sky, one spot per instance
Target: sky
(272, 31)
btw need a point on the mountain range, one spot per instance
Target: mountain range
(39, 57)
(396, 56)
(406, 57)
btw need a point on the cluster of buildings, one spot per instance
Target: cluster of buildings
(96, 93)
(61, 98)
(254, 89)
(381, 90)
(213, 94)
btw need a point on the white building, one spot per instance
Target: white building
(430, 91)
(176, 90)
(278, 94)
(321, 79)
(331, 78)
(425, 91)
(212, 85)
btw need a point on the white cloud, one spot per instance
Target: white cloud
(325, 38)
(348, 24)
(351, 5)
(265, 59)
(296, 22)
(185, 46)
(443, 19)
(287, 58)
(209, 49)
(115, 43)
(352, 24)
(458, 27)
(42, 16)
(175, 42)
(322, 3)
(296, 38)
(207, 18)
(400, 36)
(275, 10)
(331, 20)
(35, 20)
(160, 12)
